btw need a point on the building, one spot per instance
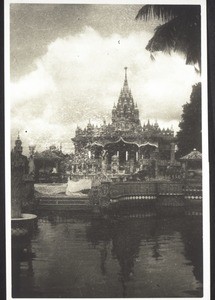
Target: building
(192, 164)
(49, 165)
(124, 141)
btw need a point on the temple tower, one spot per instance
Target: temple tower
(125, 114)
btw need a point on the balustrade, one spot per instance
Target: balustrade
(135, 188)
(145, 188)
(166, 188)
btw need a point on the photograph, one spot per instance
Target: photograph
(107, 162)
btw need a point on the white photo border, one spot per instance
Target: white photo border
(205, 134)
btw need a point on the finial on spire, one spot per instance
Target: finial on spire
(125, 74)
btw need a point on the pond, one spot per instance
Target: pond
(73, 255)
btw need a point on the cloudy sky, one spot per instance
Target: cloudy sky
(67, 66)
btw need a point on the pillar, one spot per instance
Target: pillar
(156, 168)
(172, 152)
(31, 165)
(57, 166)
(137, 155)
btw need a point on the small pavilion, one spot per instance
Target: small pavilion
(192, 163)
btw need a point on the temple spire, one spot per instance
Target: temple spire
(126, 79)
(125, 109)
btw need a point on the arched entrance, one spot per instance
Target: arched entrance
(124, 150)
(147, 150)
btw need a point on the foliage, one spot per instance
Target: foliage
(49, 155)
(189, 135)
(180, 31)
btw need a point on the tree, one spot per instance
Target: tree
(189, 135)
(180, 31)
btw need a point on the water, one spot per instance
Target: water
(78, 256)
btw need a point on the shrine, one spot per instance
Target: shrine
(124, 143)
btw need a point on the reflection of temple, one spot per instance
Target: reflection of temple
(124, 142)
(143, 245)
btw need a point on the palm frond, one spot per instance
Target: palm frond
(163, 39)
(152, 57)
(181, 34)
(163, 12)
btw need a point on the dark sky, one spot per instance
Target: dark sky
(34, 26)
(67, 66)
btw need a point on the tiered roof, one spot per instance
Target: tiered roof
(125, 110)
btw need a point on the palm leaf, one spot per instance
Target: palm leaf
(166, 12)
(180, 33)
(163, 12)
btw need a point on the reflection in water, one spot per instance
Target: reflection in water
(192, 241)
(22, 263)
(76, 256)
(125, 249)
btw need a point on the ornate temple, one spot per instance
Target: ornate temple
(125, 139)
(121, 150)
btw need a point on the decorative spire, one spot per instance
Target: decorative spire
(31, 149)
(126, 80)
(125, 107)
(18, 145)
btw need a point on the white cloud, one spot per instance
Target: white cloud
(80, 77)
(36, 84)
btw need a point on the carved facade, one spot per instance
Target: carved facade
(125, 137)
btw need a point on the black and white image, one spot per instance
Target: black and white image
(108, 144)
